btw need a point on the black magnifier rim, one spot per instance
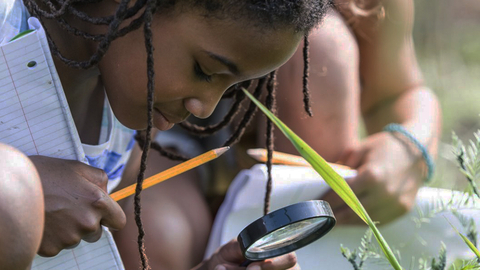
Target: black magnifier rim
(281, 218)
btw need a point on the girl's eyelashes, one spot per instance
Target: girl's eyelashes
(200, 74)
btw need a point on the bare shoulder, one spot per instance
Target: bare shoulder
(370, 18)
(383, 31)
(333, 42)
(333, 34)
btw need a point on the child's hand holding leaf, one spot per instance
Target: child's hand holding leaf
(385, 184)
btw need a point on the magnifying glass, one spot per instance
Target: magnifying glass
(285, 230)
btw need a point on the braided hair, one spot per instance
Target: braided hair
(301, 15)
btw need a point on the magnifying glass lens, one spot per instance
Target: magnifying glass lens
(286, 229)
(287, 235)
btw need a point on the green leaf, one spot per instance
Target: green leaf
(332, 178)
(22, 34)
(465, 239)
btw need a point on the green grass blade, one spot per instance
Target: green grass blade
(22, 34)
(468, 242)
(470, 245)
(332, 178)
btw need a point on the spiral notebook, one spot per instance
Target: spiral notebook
(35, 118)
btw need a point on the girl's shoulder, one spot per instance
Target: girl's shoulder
(369, 19)
(13, 19)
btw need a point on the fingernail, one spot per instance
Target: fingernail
(220, 267)
(255, 267)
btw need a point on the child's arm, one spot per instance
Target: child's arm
(76, 204)
(21, 210)
(390, 167)
(367, 71)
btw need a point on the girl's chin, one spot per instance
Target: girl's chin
(160, 122)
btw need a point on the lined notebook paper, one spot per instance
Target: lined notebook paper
(34, 114)
(35, 118)
(101, 255)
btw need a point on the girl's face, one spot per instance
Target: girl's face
(196, 60)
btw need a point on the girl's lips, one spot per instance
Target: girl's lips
(160, 121)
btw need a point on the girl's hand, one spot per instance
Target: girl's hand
(76, 204)
(229, 257)
(389, 176)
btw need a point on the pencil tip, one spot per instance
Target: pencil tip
(255, 151)
(222, 150)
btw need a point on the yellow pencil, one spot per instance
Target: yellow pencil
(260, 155)
(169, 173)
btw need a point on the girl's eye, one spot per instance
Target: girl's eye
(200, 74)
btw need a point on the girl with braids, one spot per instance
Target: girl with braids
(149, 64)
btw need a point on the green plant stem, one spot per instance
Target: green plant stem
(469, 244)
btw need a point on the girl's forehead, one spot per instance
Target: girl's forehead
(234, 42)
(249, 50)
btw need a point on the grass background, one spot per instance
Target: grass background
(447, 41)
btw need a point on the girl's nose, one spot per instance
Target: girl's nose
(203, 107)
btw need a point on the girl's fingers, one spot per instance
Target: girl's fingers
(359, 184)
(296, 267)
(335, 201)
(228, 267)
(353, 158)
(345, 215)
(286, 261)
(344, 157)
(231, 252)
(389, 209)
(94, 236)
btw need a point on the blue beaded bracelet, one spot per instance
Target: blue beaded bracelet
(426, 156)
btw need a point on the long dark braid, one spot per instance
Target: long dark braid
(306, 93)
(173, 155)
(311, 12)
(149, 10)
(247, 117)
(212, 129)
(270, 103)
